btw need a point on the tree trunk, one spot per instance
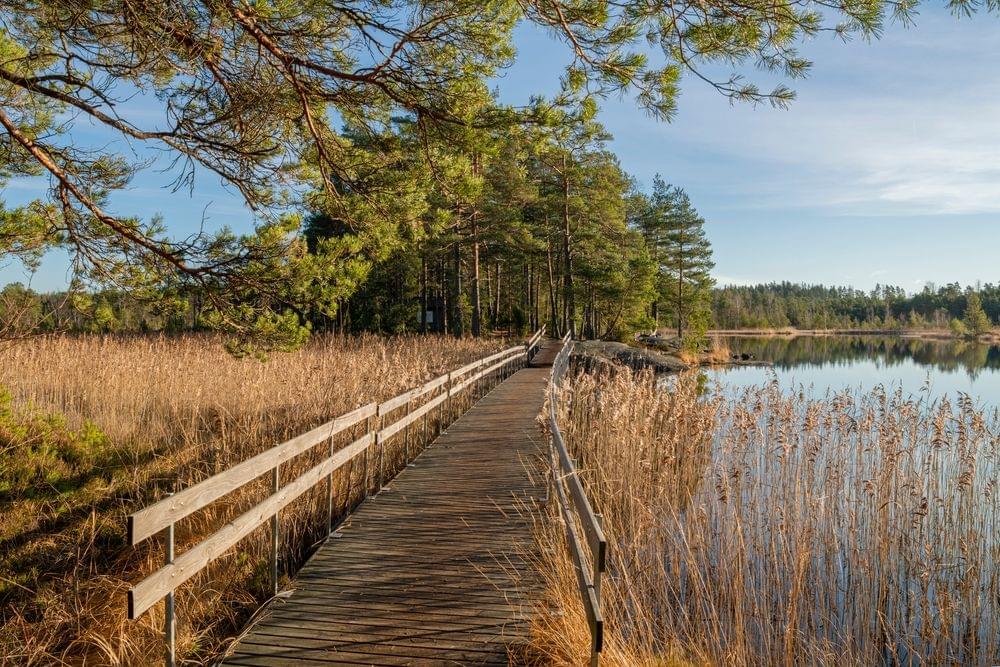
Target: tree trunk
(534, 287)
(553, 320)
(530, 287)
(496, 303)
(477, 314)
(680, 300)
(567, 258)
(423, 294)
(490, 300)
(445, 297)
(456, 294)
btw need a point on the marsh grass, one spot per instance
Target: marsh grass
(95, 428)
(773, 528)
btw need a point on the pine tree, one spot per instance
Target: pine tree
(976, 321)
(676, 235)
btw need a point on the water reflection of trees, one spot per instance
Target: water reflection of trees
(943, 355)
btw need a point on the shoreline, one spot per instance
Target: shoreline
(660, 361)
(923, 334)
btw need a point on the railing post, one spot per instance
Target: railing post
(441, 406)
(169, 618)
(598, 567)
(406, 435)
(329, 493)
(275, 482)
(450, 413)
(424, 443)
(380, 472)
(364, 463)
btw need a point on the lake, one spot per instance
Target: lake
(820, 363)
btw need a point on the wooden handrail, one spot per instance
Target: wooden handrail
(153, 588)
(154, 518)
(162, 516)
(534, 342)
(564, 471)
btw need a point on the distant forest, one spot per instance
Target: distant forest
(786, 304)
(765, 306)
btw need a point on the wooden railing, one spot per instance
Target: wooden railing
(535, 342)
(564, 476)
(441, 393)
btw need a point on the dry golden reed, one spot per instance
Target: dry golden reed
(174, 410)
(772, 528)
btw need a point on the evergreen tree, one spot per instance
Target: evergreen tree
(252, 93)
(676, 235)
(976, 321)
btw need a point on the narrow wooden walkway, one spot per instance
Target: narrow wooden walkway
(432, 570)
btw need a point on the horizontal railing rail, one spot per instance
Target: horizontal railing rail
(163, 515)
(575, 508)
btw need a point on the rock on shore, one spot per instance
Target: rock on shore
(593, 353)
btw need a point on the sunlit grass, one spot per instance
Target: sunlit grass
(96, 428)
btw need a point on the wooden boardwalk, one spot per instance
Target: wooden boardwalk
(432, 570)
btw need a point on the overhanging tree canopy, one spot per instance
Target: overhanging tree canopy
(254, 91)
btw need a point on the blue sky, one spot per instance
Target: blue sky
(885, 170)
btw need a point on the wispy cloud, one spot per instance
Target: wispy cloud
(903, 127)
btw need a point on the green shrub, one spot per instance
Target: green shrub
(41, 454)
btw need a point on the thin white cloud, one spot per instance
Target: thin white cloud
(904, 127)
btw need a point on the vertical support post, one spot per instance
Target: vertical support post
(329, 494)
(441, 408)
(275, 482)
(364, 465)
(380, 472)
(450, 413)
(406, 435)
(598, 567)
(169, 618)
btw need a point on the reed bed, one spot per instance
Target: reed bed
(769, 528)
(135, 418)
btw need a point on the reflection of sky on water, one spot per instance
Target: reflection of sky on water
(863, 362)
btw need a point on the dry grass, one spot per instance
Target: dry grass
(172, 411)
(716, 352)
(779, 529)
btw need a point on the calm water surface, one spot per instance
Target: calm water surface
(836, 363)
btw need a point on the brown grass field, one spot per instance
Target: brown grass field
(766, 528)
(92, 429)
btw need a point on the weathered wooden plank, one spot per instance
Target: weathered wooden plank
(154, 518)
(592, 527)
(481, 374)
(588, 519)
(413, 416)
(151, 590)
(318, 649)
(399, 401)
(470, 640)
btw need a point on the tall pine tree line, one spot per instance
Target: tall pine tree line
(681, 253)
